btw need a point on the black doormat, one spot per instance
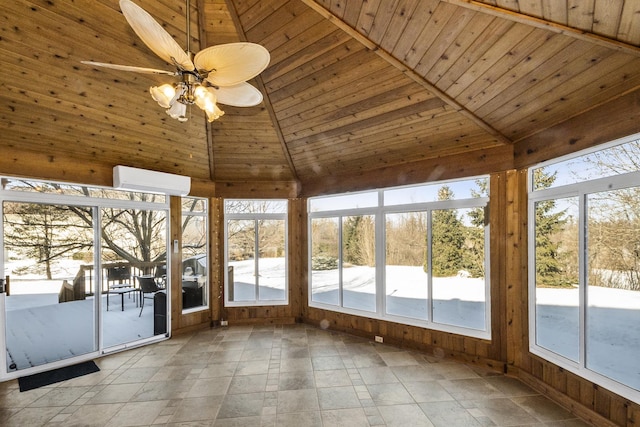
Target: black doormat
(55, 376)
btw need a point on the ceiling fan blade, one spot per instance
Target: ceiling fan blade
(240, 95)
(130, 68)
(232, 63)
(154, 36)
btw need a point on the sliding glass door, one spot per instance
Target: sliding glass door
(86, 272)
(50, 310)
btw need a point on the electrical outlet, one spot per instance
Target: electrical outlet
(224, 323)
(379, 339)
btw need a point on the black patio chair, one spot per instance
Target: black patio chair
(148, 286)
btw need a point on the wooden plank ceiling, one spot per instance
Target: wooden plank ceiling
(353, 88)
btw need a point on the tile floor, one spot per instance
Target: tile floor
(280, 376)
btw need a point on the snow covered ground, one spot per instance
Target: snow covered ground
(613, 316)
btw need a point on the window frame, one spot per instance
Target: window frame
(581, 191)
(205, 215)
(256, 216)
(379, 212)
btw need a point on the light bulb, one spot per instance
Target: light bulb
(213, 112)
(164, 95)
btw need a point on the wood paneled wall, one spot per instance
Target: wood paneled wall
(507, 351)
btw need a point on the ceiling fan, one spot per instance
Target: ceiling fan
(217, 74)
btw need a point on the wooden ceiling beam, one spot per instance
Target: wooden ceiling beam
(408, 71)
(209, 135)
(546, 25)
(471, 163)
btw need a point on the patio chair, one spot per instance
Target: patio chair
(148, 289)
(160, 275)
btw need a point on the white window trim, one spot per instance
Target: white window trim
(379, 213)
(283, 216)
(580, 190)
(204, 215)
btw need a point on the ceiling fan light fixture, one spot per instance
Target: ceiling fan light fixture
(165, 95)
(201, 96)
(178, 111)
(213, 112)
(215, 74)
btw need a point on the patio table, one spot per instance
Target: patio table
(121, 291)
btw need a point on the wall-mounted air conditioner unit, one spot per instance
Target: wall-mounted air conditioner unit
(127, 178)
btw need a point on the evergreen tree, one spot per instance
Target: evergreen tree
(350, 228)
(549, 265)
(447, 239)
(474, 253)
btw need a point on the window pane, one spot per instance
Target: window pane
(271, 264)
(191, 204)
(613, 292)
(79, 190)
(255, 206)
(241, 256)
(325, 275)
(359, 262)
(429, 193)
(194, 256)
(457, 265)
(345, 201)
(406, 278)
(134, 248)
(556, 277)
(611, 161)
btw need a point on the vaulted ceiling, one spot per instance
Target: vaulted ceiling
(357, 93)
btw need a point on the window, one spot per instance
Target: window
(584, 274)
(256, 252)
(195, 254)
(414, 255)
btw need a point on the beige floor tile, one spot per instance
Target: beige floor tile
(297, 401)
(162, 390)
(248, 384)
(281, 376)
(209, 387)
(427, 391)
(202, 409)
(449, 414)
(296, 380)
(31, 417)
(241, 405)
(389, 394)
(332, 378)
(300, 419)
(338, 398)
(93, 415)
(353, 417)
(137, 413)
(404, 415)
(116, 393)
(378, 375)
(60, 396)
